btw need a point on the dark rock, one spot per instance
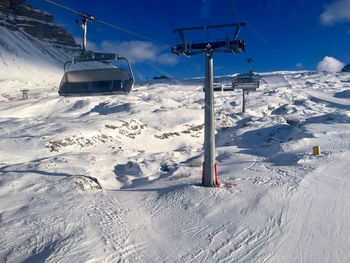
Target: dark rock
(346, 68)
(5, 3)
(17, 15)
(161, 77)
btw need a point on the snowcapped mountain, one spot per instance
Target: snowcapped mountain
(32, 47)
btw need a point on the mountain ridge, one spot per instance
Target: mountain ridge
(18, 15)
(32, 47)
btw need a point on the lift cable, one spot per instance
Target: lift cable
(237, 21)
(91, 18)
(235, 11)
(132, 33)
(64, 7)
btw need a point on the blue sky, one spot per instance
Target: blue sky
(280, 34)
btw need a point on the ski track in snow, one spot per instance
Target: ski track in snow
(65, 223)
(116, 179)
(317, 219)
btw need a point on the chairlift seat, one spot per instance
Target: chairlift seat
(94, 82)
(246, 82)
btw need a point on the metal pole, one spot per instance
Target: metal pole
(84, 32)
(250, 60)
(209, 178)
(243, 104)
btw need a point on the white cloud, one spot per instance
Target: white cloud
(140, 51)
(135, 51)
(168, 59)
(339, 11)
(299, 65)
(330, 64)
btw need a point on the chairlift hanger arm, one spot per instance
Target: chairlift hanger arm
(130, 68)
(238, 29)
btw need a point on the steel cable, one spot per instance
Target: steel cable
(91, 18)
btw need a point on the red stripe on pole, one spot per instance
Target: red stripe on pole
(203, 174)
(216, 174)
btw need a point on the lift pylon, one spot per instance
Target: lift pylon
(210, 175)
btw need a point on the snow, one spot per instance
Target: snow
(25, 58)
(319, 212)
(117, 179)
(28, 59)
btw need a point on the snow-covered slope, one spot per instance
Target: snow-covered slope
(27, 62)
(116, 179)
(24, 57)
(32, 47)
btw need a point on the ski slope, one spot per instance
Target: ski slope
(316, 221)
(117, 179)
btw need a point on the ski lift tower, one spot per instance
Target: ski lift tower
(210, 176)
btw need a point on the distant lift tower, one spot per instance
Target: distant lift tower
(210, 176)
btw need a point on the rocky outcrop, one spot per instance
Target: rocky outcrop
(17, 15)
(346, 68)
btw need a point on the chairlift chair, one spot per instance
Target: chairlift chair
(96, 82)
(100, 81)
(247, 81)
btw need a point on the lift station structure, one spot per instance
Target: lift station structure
(187, 48)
